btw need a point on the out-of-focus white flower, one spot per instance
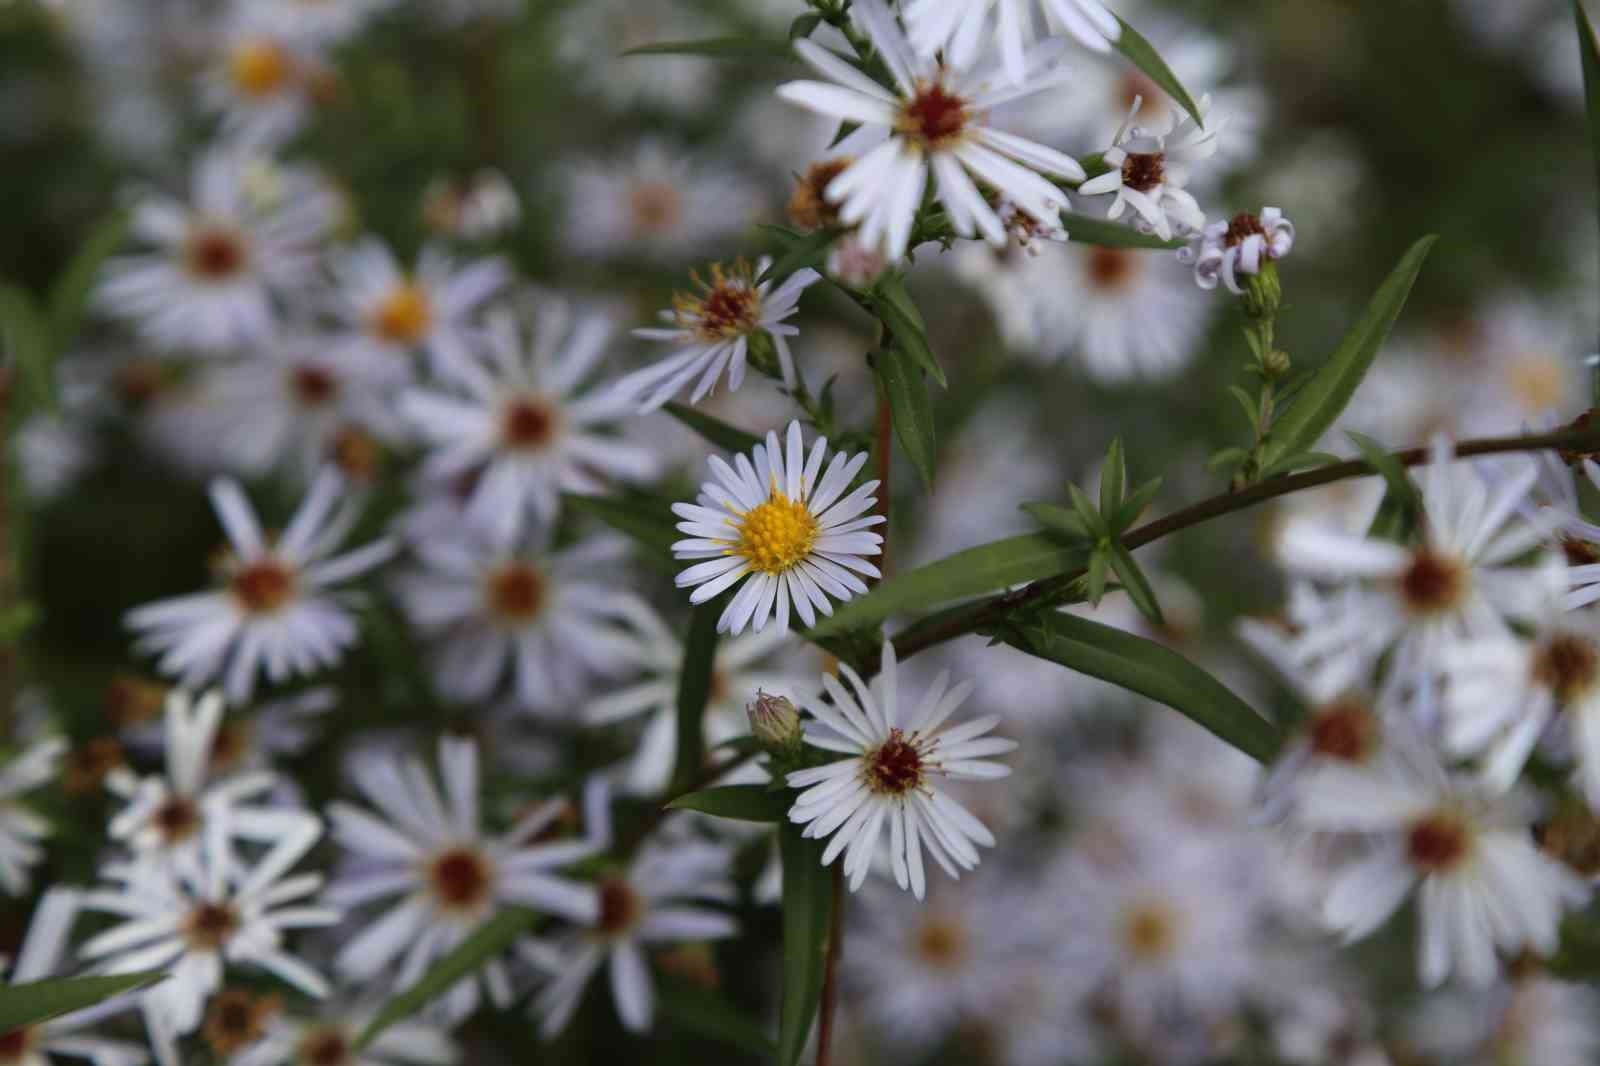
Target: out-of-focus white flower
(958, 30)
(652, 902)
(657, 203)
(1485, 885)
(21, 829)
(891, 776)
(44, 1042)
(521, 425)
(332, 1036)
(1149, 171)
(1412, 601)
(549, 618)
(479, 209)
(936, 118)
(216, 261)
(263, 78)
(782, 522)
(398, 313)
(1523, 365)
(855, 264)
(428, 853)
(317, 22)
(1531, 1019)
(1241, 246)
(613, 27)
(737, 675)
(276, 610)
(714, 330)
(196, 925)
(53, 452)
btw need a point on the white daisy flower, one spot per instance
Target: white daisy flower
(396, 312)
(959, 29)
(426, 851)
(1454, 584)
(322, 22)
(215, 262)
(53, 453)
(522, 424)
(1504, 693)
(654, 901)
(737, 675)
(713, 332)
(892, 776)
(331, 1037)
(1241, 246)
(277, 609)
(479, 209)
(936, 118)
(796, 537)
(1149, 171)
(20, 829)
(263, 79)
(1533, 1020)
(39, 958)
(166, 816)
(297, 398)
(550, 618)
(196, 926)
(1556, 507)
(1485, 885)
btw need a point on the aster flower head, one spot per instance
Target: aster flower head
(20, 829)
(1150, 169)
(960, 28)
(784, 524)
(714, 331)
(1484, 884)
(276, 610)
(522, 424)
(891, 776)
(264, 77)
(935, 116)
(332, 1037)
(1241, 247)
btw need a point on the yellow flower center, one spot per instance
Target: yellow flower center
(404, 316)
(1150, 930)
(258, 67)
(777, 534)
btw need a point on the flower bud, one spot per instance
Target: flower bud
(775, 723)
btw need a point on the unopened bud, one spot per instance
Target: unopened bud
(763, 355)
(1263, 292)
(775, 722)
(1276, 364)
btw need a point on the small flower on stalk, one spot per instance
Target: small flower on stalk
(789, 527)
(1149, 171)
(734, 319)
(1243, 245)
(775, 722)
(20, 829)
(891, 776)
(854, 264)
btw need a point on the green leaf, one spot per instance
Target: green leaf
(717, 48)
(694, 688)
(1324, 397)
(1113, 478)
(1088, 512)
(1096, 577)
(1303, 461)
(16, 620)
(902, 382)
(1084, 229)
(701, 1012)
(1134, 506)
(807, 910)
(742, 803)
(1059, 519)
(1135, 583)
(1150, 669)
(39, 1001)
(646, 519)
(1402, 504)
(893, 304)
(808, 250)
(1589, 49)
(70, 296)
(1144, 56)
(804, 25)
(986, 568)
(26, 337)
(487, 942)
(728, 438)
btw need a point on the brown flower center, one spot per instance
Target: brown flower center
(1566, 664)
(1243, 226)
(357, 453)
(324, 1046)
(214, 253)
(16, 1044)
(942, 943)
(935, 116)
(1110, 268)
(87, 766)
(1433, 583)
(1579, 552)
(259, 67)
(528, 423)
(1150, 930)
(620, 907)
(177, 819)
(515, 593)
(263, 587)
(728, 307)
(1143, 171)
(1438, 843)
(404, 316)
(657, 207)
(313, 386)
(809, 209)
(131, 700)
(1345, 730)
(896, 767)
(210, 925)
(237, 1019)
(461, 879)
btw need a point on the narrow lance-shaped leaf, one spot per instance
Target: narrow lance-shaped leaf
(25, 337)
(1148, 668)
(986, 568)
(907, 393)
(1134, 583)
(798, 252)
(1402, 504)
(1113, 478)
(807, 910)
(70, 296)
(1059, 519)
(1084, 229)
(893, 304)
(694, 688)
(728, 438)
(717, 48)
(1589, 49)
(646, 519)
(742, 803)
(1142, 54)
(487, 942)
(1324, 397)
(39, 1001)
